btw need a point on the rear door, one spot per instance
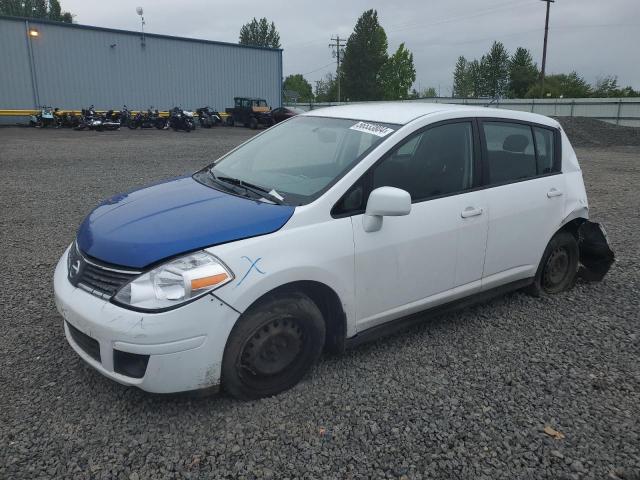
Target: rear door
(525, 196)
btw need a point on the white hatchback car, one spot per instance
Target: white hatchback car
(319, 233)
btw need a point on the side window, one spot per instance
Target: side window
(438, 161)
(510, 151)
(545, 149)
(238, 102)
(352, 202)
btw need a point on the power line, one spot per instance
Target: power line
(319, 68)
(480, 13)
(338, 48)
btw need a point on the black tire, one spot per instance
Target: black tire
(558, 267)
(230, 122)
(132, 126)
(272, 346)
(253, 123)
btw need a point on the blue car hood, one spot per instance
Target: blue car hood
(142, 227)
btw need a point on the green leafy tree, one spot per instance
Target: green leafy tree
(562, 85)
(476, 78)
(297, 83)
(56, 13)
(523, 73)
(364, 57)
(629, 92)
(606, 87)
(35, 9)
(326, 89)
(496, 71)
(429, 92)
(398, 74)
(462, 81)
(260, 33)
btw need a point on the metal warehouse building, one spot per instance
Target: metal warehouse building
(72, 66)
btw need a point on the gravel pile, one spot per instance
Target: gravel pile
(589, 132)
(468, 395)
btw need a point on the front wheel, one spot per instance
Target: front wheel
(272, 347)
(559, 266)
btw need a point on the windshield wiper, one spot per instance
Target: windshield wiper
(256, 189)
(227, 186)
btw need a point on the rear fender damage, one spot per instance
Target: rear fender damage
(596, 256)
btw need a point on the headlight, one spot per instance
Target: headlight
(175, 282)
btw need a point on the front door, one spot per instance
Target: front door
(436, 253)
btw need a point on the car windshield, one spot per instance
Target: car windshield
(297, 160)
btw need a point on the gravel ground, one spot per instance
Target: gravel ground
(467, 395)
(590, 132)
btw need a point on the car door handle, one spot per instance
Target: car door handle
(471, 212)
(554, 192)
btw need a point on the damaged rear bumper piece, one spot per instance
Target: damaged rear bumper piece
(596, 256)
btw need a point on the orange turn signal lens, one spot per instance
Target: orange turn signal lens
(204, 282)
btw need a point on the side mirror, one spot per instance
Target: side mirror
(385, 202)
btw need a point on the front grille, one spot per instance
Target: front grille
(89, 345)
(100, 280)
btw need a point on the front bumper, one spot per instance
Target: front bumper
(184, 346)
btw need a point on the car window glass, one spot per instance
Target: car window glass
(302, 156)
(238, 102)
(544, 146)
(438, 161)
(510, 151)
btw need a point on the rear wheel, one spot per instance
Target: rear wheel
(272, 346)
(559, 266)
(253, 123)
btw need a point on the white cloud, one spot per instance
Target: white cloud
(592, 37)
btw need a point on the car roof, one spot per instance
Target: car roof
(403, 113)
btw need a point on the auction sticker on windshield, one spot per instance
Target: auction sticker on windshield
(372, 128)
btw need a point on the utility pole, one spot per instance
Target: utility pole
(544, 50)
(336, 53)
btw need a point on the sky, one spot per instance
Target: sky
(593, 37)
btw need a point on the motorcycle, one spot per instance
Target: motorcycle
(148, 119)
(44, 118)
(67, 119)
(125, 116)
(181, 120)
(111, 120)
(208, 117)
(90, 120)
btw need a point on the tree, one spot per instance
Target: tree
(299, 84)
(606, 87)
(497, 70)
(259, 33)
(462, 81)
(523, 73)
(562, 85)
(397, 75)
(476, 78)
(364, 57)
(35, 9)
(327, 89)
(429, 92)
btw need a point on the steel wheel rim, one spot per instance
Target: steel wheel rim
(272, 348)
(557, 268)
